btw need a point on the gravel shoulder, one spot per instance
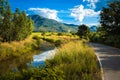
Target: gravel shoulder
(110, 60)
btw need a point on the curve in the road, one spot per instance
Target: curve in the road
(109, 58)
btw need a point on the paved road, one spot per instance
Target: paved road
(110, 60)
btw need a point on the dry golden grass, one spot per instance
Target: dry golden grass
(77, 61)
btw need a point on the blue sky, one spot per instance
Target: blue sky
(66, 11)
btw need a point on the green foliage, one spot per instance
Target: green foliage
(83, 31)
(109, 40)
(113, 41)
(109, 31)
(13, 26)
(109, 18)
(35, 74)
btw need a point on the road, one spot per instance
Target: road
(110, 59)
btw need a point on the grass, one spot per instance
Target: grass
(14, 49)
(74, 60)
(77, 61)
(56, 38)
(24, 47)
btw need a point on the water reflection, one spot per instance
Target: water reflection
(40, 58)
(25, 61)
(14, 64)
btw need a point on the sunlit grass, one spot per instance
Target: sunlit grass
(33, 42)
(15, 49)
(56, 38)
(73, 61)
(77, 61)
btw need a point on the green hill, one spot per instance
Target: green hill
(48, 25)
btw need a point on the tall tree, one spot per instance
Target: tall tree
(6, 27)
(83, 30)
(110, 18)
(13, 26)
(16, 26)
(1, 14)
(25, 25)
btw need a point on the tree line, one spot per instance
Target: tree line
(108, 31)
(13, 26)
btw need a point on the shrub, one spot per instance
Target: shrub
(34, 74)
(37, 42)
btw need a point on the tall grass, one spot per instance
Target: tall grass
(56, 38)
(32, 43)
(18, 48)
(77, 61)
(14, 49)
(73, 61)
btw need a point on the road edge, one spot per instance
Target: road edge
(101, 68)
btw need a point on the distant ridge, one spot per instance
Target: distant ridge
(49, 25)
(93, 28)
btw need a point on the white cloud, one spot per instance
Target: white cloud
(79, 13)
(91, 13)
(91, 3)
(46, 12)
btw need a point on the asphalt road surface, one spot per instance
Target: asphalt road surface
(110, 61)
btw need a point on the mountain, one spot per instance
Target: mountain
(93, 28)
(49, 25)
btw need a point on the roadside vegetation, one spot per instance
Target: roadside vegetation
(37, 42)
(109, 30)
(73, 61)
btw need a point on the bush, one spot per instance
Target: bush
(102, 38)
(113, 41)
(34, 74)
(37, 42)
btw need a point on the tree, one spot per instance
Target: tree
(16, 26)
(83, 30)
(110, 18)
(6, 28)
(2, 5)
(13, 26)
(22, 25)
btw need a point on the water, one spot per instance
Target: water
(25, 62)
(40, 58)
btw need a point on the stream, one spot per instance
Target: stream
(40, 58)
(25, 62)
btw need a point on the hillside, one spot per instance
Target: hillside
(48, 25)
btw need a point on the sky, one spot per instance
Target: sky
(65, 11)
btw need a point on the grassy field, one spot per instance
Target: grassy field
(36, 41)
(73, 61)
(56, 38)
